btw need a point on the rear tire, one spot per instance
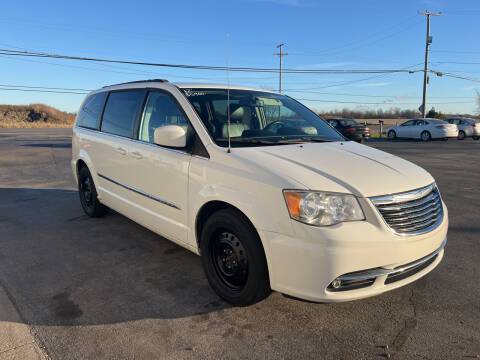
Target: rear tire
(233, 258)
(88, 195)
(426, 136)
(392, 135)
(461, 135)
(359, 141)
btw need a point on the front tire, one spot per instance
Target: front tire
(233, 258)
(88, 195)
(476, 138)
(426, 136)
(392, 135)
(461, 135)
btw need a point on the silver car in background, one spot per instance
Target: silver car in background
(425, 129)
(466, 127)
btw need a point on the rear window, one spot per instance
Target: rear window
(347, 122)
(436, 121)
(89, 114)
(120, 112)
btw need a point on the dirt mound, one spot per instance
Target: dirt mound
(34, 115)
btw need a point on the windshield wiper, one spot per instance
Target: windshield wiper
(249, 141)
(276, 141)
(313, 139)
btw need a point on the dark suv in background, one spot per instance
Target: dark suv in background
(351, 129)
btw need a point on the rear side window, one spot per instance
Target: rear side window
(120, 112)
(89, 114)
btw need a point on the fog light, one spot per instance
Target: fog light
(336, 283)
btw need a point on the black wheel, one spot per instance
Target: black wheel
(392, 135)
(233, 258)
(426, 136)
(476, 138)
(359, 141)
(461, 135)
(88, 195)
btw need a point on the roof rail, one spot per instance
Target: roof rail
(138, 81)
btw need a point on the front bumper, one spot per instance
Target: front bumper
(304, 265)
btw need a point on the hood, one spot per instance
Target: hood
(346, 167)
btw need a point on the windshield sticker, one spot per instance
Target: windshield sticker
(190, 92)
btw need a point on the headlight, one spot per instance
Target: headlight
(322, 208)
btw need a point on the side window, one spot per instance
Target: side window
(120, 111)
(160, 110)
(408, 123)
(89, 114)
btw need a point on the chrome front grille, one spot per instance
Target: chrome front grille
(411, 213)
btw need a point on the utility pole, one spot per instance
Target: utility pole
(425, 72)
(280, 54)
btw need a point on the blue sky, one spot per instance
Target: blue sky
(318, 34)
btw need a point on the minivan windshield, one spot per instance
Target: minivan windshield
(257, 118)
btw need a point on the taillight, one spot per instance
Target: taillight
(439, 126)
(367, 129)
(473, 125)
(350, 130)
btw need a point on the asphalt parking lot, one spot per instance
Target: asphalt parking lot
(108, 288)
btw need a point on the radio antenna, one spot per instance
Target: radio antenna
(228, 93)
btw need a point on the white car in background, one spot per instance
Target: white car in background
(466, 127)
(425, 129)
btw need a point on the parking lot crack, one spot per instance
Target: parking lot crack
(412, 302)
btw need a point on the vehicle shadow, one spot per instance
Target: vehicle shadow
(61, 267)
(50, 145)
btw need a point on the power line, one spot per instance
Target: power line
(199, 67)
(43, 91)
(43, 87)
(457, 52)
(380, 103)
(300, 91)
(342, 83)
(439, 73)
(455, 62)
(379, 96)
(132, 72)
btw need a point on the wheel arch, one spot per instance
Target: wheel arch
(80, 165)
(211, 207)
(83, 160)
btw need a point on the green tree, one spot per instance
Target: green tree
(434, 114)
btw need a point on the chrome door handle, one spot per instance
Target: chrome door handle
(121, 150)
(136, 155)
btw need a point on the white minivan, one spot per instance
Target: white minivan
(270, 195)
